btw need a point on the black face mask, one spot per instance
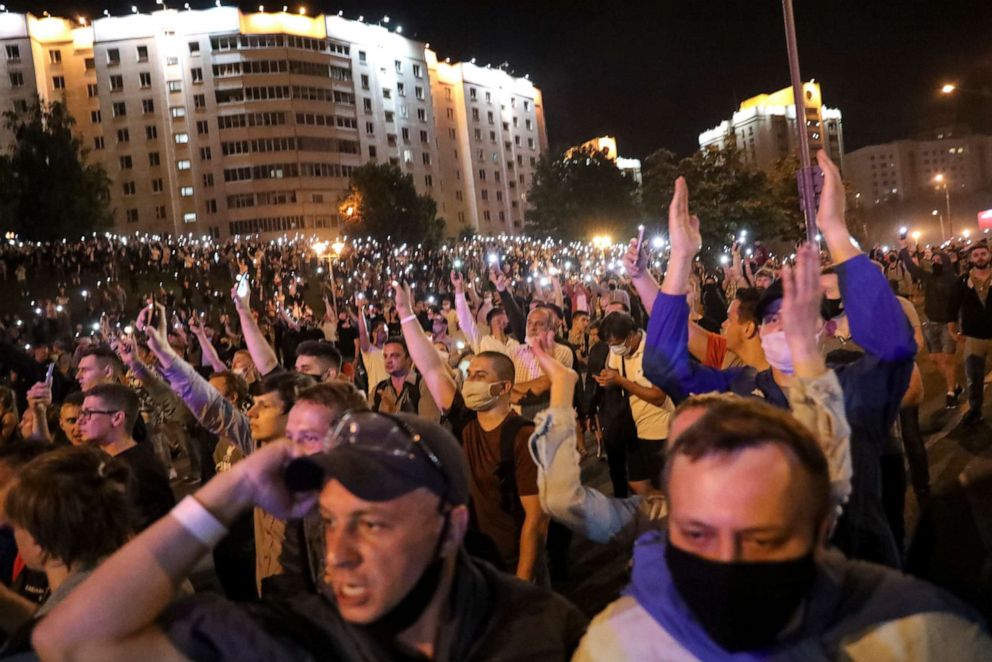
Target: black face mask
(409, 609)
(612, 286)
(741, 605)
(832, 308)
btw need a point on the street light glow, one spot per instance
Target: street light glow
(948, 88)
(939, 178)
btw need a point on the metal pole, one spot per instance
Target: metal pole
(943, 235)
(799, 102)
(947, 199)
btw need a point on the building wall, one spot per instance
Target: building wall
(907, 168)
(214, 121)
(764, 128)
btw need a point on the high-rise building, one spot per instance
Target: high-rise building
(608, 145)
(215, 121)
(764, 128)
(904, 169)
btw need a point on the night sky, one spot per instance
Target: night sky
(656, 73)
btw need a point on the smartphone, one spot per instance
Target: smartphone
(640, 238)
(903, 232)
(49, 373)
(153, 314)
(243, 285)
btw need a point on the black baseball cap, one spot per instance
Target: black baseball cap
(379, 457)
(771, 300)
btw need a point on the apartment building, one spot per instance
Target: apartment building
(216, 121)
(764, 128)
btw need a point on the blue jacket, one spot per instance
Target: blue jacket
(873, 389)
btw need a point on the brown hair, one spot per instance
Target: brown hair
(502, 365)
(233, 383)
(730, 426)
(120, 397)
(339, 397)
(72, 501)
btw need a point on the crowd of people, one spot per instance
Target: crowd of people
(385, 449)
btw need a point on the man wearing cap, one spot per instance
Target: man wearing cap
(392, 493)
(873, 384)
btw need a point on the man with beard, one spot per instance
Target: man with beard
(392, 493)
(971, 306)
(940, 288)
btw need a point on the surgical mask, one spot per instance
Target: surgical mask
(620, 350)
(777, 351)
(742, 605)
(478, 396)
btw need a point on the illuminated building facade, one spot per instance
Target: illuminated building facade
(904, 169)
(219, 122)
(764, 128)
(608, 145)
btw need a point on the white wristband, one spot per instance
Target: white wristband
(408, 318)
(199, 521)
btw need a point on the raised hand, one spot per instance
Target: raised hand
(683, 228)
(498, 278)
(40, 396)
(403, 298)
(634, 260)
(458, 282)
(800, 312)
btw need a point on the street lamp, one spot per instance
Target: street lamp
(941, 181)
(948, 88)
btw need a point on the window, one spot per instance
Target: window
(199, 101)
(132, 215)
(151, 132)
(189, 217)
(20, 105)
(58, 82)
(482, 175)
(389, 116)
(95, 117)
(89, 64)
(55, 56)
(92, 90)
(418, 92)
(485, 194)
(183, 164)
(372, 152)
(478, 134)
(422, 114)
(13, 52)
(473, 94)
(98, 142)
(426, 157)
(526, 105)
(451, 134)
(202, 127)
(423, 136)
(369, 129)
(196, 74)
(407, 156)
(450, 113)
(404, 113)
(186, 191)
(123, 136)
(125, 162)
(211, 206)
(120, 109)
(194, 48)
(367, 105)
(428, 181)
(157, 186)
(416, 71)
(205, 154)
(171, 61)
(144, 79)
(489, 116)
(362, 56)
(160, 212)
(365, 81)
(181, 138)
(387, 93)
(113, 56)
(153, 159)
(401, 89)
(129, 188)
(17, 79)
(475, 114)
(405, 133)
(175, 86)
(116, 83)
(399, 66)
(142, 54)
(208, 180)
(530, 143)
(528, 124)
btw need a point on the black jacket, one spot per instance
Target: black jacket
(940, 291)
(976, 317)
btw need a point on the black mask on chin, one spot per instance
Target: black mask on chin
(408, 610)
(741, 605)
(831, 308)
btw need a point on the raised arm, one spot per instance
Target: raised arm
(261, 351)
(363, 328)
(514, 315)
(206, 347)
(439, 381)
(465, 321)
(636, 264)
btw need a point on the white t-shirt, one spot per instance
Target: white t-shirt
(650, 420)
(375, 366)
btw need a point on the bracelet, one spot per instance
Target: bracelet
(408, 318)
(199, 522)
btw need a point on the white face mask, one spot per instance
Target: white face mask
(478, 396)
(620, 350)
(777, 351)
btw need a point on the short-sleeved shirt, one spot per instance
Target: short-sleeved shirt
(651, 420)
(375, 366)
(482, 450)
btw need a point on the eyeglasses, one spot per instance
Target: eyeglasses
(384, 433)
(86, 413)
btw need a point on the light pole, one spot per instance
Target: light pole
(942, 181)
(943, 235)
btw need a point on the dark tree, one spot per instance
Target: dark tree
(47, 189)
(382, 201)
(581, 193)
